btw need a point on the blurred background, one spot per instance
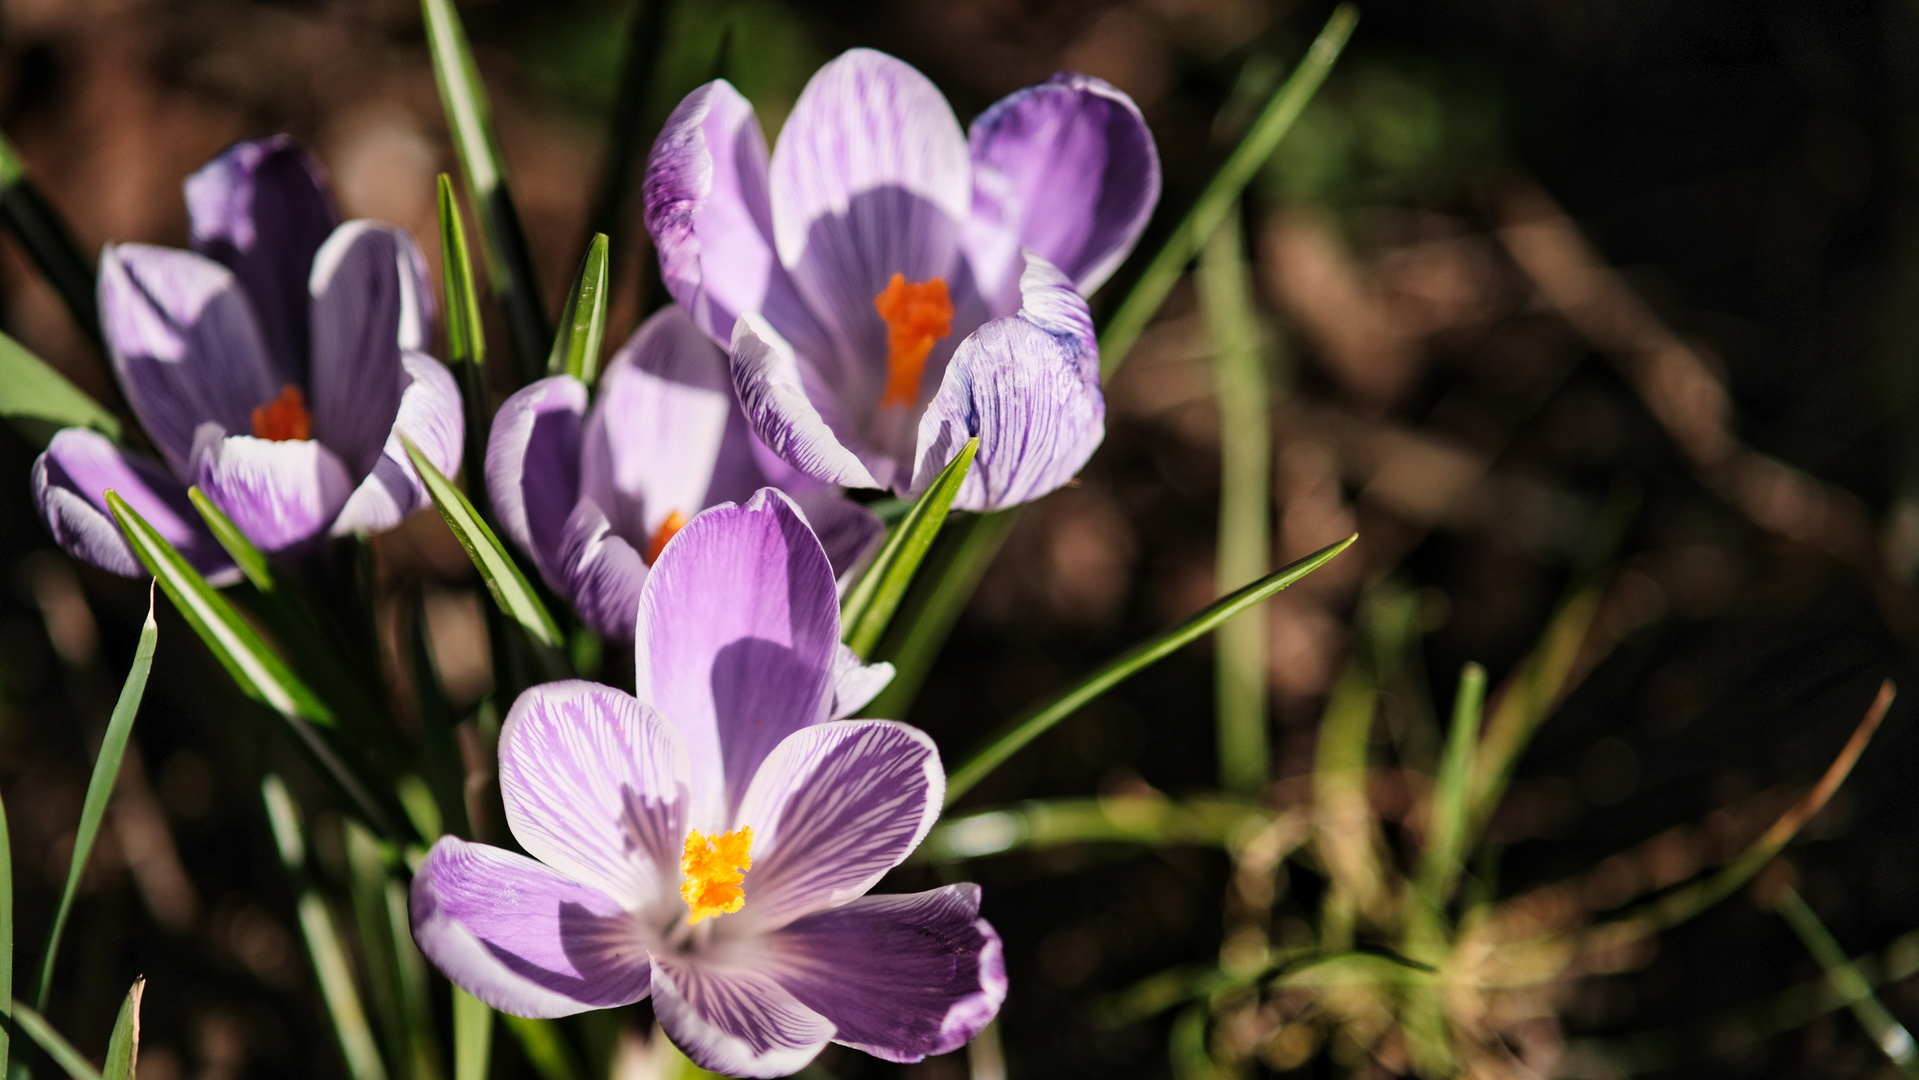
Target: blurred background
(1518, 259)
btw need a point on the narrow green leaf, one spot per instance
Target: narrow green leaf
(541, 1041)
(870, 606)
(502, 576)
(55, 1044)
(1446, 833)
(465, 335)
(576, 349)
(1159, 277)
(934, 604)
(1245, 467)
(6, 943)
(255, 667)
(1885, 1030)
(123, 1047)
(1025, 729)
(469, 119)
(1047, 823)
(48, 240)
(629, 133)
(283, 818)
(472, 1036)
(335, 976)
(106, 770)
(31, 390)
(424, 1062)
(366, 879)
(251, 560)
(1347, 837)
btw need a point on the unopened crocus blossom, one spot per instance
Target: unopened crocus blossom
(273, 366)
(889, 287)
(593, 495)
(710, 842)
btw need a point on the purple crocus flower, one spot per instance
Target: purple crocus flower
(273, 366)
(711, 841)
(594, 495)
(889, 287)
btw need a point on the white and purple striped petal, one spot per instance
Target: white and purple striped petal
(595, 787)
(370, 306)
(69, 484)
(900, 977)
(601, 573)
(1028, 387)
(855, 682)
(431, 416)
(279, 493)
(738, 624)
(833, 808)
(521, 937)
(785, 417)
(184, 343)
(734, 1020)
(1066, 169)
(261, 210)
(533, 468)
(871, 177)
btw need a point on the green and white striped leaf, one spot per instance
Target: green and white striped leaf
(63, 1053)
(255, 667)
(123, 1048)
(576, 350)
(502, 576)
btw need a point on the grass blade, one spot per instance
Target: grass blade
(123, 1048)
(1039, 824)
(257, 669)
(470, 120)
(1245, 468)
(503, 578)
(6, 943)
(1346, 832)
(1024, 730)
(55, 1044)
(870, 606)
(576, 350)
(1214, 203)
(106, 770)
(424, 1063)
(913, 641)
(472, 1036)
(627, 134)
(1885, 1030)
(465, 334)
(31, 390)
(1446, 832)
(367, 877)
(335, 976)
(251, 560)
(48, 242)
(541, 1041)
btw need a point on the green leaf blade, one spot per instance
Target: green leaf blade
(6, 942)
(31, 390)
(1452, 789)
(870, 607)
(255, 667)
(106, 770)
(472, 1036)
(55, 1044)
(576, 351)
(251, 560)
(502, 575)
(1025, 729)
(123, 1048)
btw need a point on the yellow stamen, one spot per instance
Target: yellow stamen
(674, 522)
(917, 315)
(283, 419)
(715, 868)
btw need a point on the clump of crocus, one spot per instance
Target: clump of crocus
(711, 841)
(890, 287)
(593, 495)
(272, 365)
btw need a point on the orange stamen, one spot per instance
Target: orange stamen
(283, 419)
(917, 315)
(674, 522)
(715, 869)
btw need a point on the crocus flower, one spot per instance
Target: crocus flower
(889, 287)
(272, 366)
(711, 841)
(593, 496)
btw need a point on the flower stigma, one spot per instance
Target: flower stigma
(285, 418)
(715, 867)
(674, 522)
(918, 314)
